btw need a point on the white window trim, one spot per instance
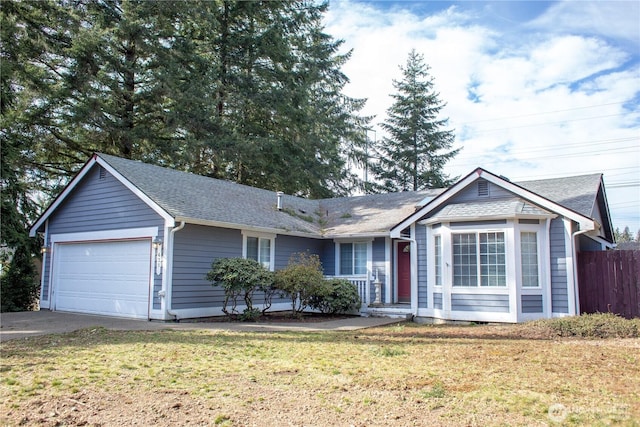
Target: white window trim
(267, 236)
(537, 231)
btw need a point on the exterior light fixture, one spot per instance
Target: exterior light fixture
(45, 249)
(157, 247)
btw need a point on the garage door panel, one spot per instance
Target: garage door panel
(110, 278)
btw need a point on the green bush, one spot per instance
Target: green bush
(241, 278)
(301, 280)
(599, 325)
(336, 296)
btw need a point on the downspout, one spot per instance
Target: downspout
(170, 270)
(576, 291)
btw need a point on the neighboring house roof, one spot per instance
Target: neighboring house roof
(182, 196)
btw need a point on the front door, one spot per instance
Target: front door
(404, 272)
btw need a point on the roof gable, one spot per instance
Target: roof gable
(94, 161)
(534, 199)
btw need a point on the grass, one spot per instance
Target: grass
(407, 374)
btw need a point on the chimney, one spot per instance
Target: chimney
(279, 194)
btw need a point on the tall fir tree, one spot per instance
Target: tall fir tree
(247, 91)
(413, 155)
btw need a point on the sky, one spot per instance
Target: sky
(533, 89)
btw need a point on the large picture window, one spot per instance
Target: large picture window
(479, 259)
(529, 259)
(353, 258)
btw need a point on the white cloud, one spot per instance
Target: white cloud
(608, 19)
(550, 101)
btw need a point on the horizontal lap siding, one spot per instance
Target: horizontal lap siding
(98, 204)
(328, 257)
(531, 303)
(559, 296)
(289, 245)
(421, 242)
(195, 248)
(470, 193)
(480, 303)
(437, 300)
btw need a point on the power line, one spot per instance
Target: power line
(543, 113)
(545, 123)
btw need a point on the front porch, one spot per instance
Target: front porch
(371, 295)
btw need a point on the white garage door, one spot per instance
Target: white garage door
(110, 278)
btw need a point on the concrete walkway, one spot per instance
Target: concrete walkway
(33, 323)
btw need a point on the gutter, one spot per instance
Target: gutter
(169, 271)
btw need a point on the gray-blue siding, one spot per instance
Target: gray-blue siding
(480, 303)
(288, 245)
(470, 193)
(531, 303)
(421, 241)
(196, 247)
(328, 257)
(101, 203)
(559, 295)
(437, 300)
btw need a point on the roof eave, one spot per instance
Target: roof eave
(436, 219)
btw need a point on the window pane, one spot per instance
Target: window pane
(265, 252)
(359, 258)
(252, 248)
(438, 259)
(465, 270)
(346, 258)
(529, 255)
(492, 260)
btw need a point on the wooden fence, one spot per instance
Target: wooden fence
(609, 282)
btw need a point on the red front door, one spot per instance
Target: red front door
(404, 272)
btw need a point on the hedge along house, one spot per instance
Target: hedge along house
(130, 239)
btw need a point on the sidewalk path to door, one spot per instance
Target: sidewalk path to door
(32, 323)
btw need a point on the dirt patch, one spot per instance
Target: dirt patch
(274, 317)
(406, 374)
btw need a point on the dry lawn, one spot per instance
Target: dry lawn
(406, 375)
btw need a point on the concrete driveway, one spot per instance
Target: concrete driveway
(32, 323)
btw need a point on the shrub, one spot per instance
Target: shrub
(241, 277)
(337, 296)
(301, 280)
(599, 325)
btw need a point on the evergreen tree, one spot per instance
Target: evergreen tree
(247, 91)
(413, 156)
(19, 288)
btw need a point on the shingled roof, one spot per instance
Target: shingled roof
(577, 193)
(202, 200)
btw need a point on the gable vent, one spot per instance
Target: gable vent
(103, 173)
(483, 188)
